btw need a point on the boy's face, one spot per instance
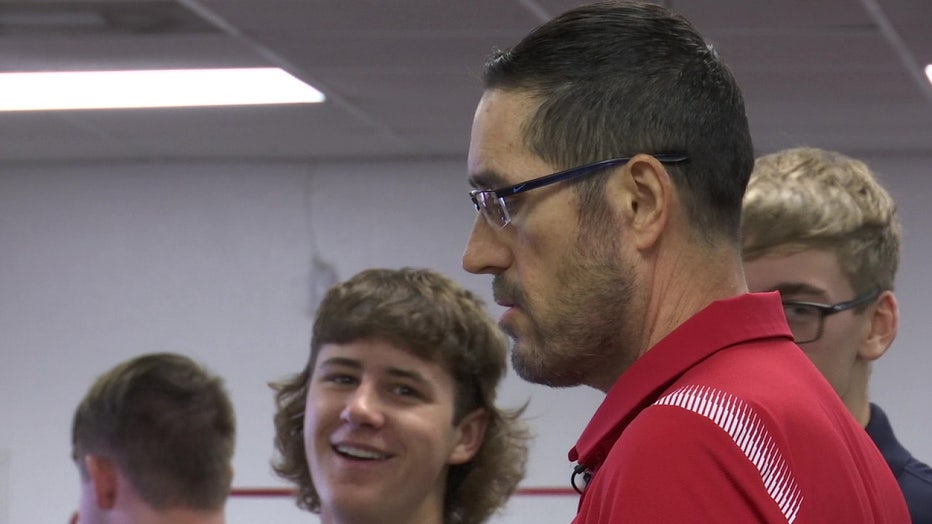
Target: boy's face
(816, 276)
(379, 432)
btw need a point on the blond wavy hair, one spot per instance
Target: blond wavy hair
(804, 198)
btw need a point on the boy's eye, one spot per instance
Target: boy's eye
(800, 311)
(339, 378)
(407, 391)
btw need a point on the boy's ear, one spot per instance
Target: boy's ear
(471, 432)
(103, 475)
(884, 322)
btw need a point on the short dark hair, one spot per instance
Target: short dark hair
(619, 78)
(436, 320)
(168, 424)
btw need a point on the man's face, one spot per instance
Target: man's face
(379, 433)
(816, 276)
(565, 286)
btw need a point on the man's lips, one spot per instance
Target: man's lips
(508, 318)
(505, 293)
(504, 300)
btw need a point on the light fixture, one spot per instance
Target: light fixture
(43, 91)
(929, 73)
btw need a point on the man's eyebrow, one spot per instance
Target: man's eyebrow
(486, 180)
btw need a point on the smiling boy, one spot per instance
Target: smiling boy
(393, 420)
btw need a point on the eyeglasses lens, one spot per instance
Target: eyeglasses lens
(492, 208)
(804, 322)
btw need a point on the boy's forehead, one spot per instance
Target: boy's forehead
(362, 352)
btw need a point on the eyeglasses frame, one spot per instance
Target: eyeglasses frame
(567, 174)
(826, 310)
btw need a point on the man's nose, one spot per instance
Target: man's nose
(486, 252)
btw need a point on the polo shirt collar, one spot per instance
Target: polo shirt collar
(720, 325)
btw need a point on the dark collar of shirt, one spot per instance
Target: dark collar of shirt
(914, 477)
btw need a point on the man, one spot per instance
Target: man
(823, 232)
(393, 420)
(153, 440)
(625, 275)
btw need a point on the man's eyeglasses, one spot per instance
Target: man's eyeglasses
(806, 319)
(491, 202)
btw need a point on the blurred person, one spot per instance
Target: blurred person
(609, 155)
(820, 229)
(393, 420)
(153, 440)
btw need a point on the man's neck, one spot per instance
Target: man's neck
(174, 516)
(687, 283)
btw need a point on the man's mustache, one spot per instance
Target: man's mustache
(505, 292)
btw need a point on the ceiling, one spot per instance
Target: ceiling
(401, 76)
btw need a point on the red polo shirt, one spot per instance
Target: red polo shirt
(726, 420)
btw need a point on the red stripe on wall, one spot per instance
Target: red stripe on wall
(288, 492)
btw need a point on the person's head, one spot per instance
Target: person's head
(600, 82)
(395, 413)
(819, 228)
(155, 434)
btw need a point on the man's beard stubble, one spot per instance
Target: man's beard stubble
(578, 335)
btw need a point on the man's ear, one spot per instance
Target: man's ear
(884, 322)
(471, 435)
(644, 192)
(103, 476)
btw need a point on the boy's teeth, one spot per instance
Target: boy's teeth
(359, 453)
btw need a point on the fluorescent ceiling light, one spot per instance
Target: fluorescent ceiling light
(929, 73)
(152, 88)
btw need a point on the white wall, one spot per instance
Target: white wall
(102, 262)
(902, 382)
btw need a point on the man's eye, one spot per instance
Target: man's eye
(513, 202)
